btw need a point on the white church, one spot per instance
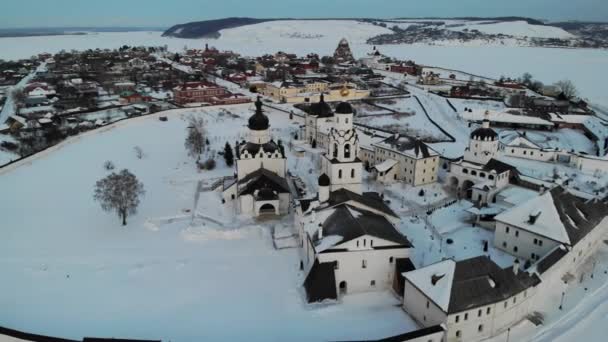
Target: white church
(348, 238)
(479, 176)
(260, 186)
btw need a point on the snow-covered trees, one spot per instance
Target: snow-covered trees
(120, 192)
(196, 137)
(568, 89)
(228, 155)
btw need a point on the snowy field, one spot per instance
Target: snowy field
(585, 67)
(71, 270)
(516, 28)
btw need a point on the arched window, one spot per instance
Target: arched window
(465, 171)
(473, 173)
(347, 151)
(335, 150)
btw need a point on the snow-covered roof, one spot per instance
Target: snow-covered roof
(504, 117)
(385, 165)
(539, 216)
(521, 141)
(435, 281)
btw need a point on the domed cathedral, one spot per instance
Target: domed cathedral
(343, 54)
(479, 176)
(483, 143)
(319, 120)
(260, 186)
(340, 161)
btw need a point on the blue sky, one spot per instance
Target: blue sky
(45, 13)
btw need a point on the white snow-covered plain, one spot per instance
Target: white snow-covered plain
(517, 29)
(69, 269)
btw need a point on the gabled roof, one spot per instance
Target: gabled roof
(320, 283)
(368, 199)
(262, 179)
(467, 284)
(350, 223)
(559, 215)
(412, 147)
(499, 166)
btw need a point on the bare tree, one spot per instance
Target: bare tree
(139, 153)
(196, 137)
(568, 88)
(119, 192)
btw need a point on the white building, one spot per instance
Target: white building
(348, 238)
(318, 122)
(341, 162)
(260, 186)
(405, 159)
(474, 299)
(542, 224)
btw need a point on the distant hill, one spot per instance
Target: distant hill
(209, 28)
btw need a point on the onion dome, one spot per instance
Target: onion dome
(344, 108)
(258, 121)
(321, 109)
(324, 180)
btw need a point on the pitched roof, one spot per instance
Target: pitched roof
(368, 199)
(320, 283)
(412, 147)
(499, 166)
(350, 223)
(558, 215)
(263, 179)
(467, 284)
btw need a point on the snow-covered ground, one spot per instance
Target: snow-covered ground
(69, 269)
(516, 29)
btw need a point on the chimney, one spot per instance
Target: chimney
(516, 266)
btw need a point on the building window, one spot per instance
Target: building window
(371, 243)
(515, 249)
(457, 333)
(390, 260)
(466, 316)
(516, 233)
(363, 263)
(480, 328)
(506, 303)
(514, 299)
(540, 242)
(357, 243)
(504, 244)
(428, 304)
(364, 242)
(347, 151)
(465, 171)
(535, 241)
(488, 310)
(479, 313)
(457, 318)
(340, 174)
(352, 173)
(507, 230)
(372, 283)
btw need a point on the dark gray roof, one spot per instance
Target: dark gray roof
(402, 144)
(483, 133)
(369, 199)
(31, 337)
(321, 109)
(258, 121)
(324, 180)
(254, 149)
(551, 259)
(351, 223)
(572, 209)
(320, 283)
(344, 108)
(499, 166)
(472, 287)
(263, 179)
